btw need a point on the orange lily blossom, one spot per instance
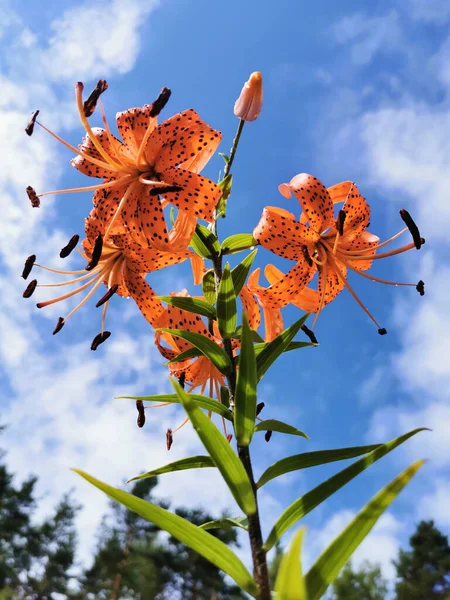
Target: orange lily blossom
(120, 264)
(323, 244)
(154, 165)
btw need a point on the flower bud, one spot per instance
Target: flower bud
(249, 104)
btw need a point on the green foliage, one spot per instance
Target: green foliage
(193, 305)
(209, 287)
(226, 523)
(240, 272)
(245, 396)
(238, 242)
(193, 462)
(201, 401)
(290, 584)
(274, 425)
(205, 243)
(226, 304)
(365, 583)
(424, 570)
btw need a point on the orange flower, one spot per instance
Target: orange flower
(321, 243)
(120, 264)
(249, 104)
(153, 162)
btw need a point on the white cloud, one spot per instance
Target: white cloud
(435, 504)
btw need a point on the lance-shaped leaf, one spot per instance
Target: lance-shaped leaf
(272, 350)
(226, 304)
(207, 347)
(226, 523)
(240, 272)
(255, 336)
(201, 401)
(205, 243)
(290, 584)
(311, 459)
(193, 305)
(238, 242)
(209, 287)
(185, 355)
(274, 425)
(325, 570)
(225, 186)
(245, 395)
(193, 462)
(229, 465)
(299, 508)
(200, 541)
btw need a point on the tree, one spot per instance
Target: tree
(424, 571)
(365, 583)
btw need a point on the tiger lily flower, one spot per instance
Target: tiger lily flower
(153, 166)
(116, 262)
(322, 243)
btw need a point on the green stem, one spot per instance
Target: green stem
(234, 148)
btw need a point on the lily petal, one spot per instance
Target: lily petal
(133, 125)
(144, 296)
(111, 145)
(282, 292)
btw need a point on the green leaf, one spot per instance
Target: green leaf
(255, 335)
(225, 185)
(226, 460)
(316, 496)
(172, 215)
(205, 243)
(238, 242)
(298, 345)
(226, 304)
(274, 425)
(240, 272)
(227, 523)
(209, 287)
(201, 401)
(225, 157)
(311, 459)
(272, 350)
(207, 347)
(189, 353)
(204, 543)
(245, 396)
(224, 396)
(325, 570)
(290, 584)
(193, 462)
(193, 305)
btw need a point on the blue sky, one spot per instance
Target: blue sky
(353, 91)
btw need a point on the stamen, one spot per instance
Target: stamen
(169, 439)
(59, 325)
(72, 293)
(414, 230)
(29, 263)
(349, 256)
(31, 121)
(91, 188)
(340, 222)
(30, 289)
(112, 290)
(165, 190)
(420, 287)
(96, 254)
(160, 102)
(377, 279)
(141, 413)
(31, 193)
(268, 435)
(179, 427)
(99, 339)
(382, 331)
(90, 104)
(182, 379)
(70, 246)
(259, 407)
(309, 333)
(229, 437)
(306, 255)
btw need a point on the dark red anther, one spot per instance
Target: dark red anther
(31, 193)
(259, 407)
(160, 102)
(29, 263)
(268, 435)
(70, 246)
(382, 331)
(340, 221)
(112, 290)
(31, 121)
(420, 287)
(90, 104)
(182, 379)
(59, 325)
(413, 229)
(141, 413)
(29, 291)
(169, 439)
(306, 255)
(165, 190)
(96, 254)
(229, 437)
(309, 333)
(99, 339)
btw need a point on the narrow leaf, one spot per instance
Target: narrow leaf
(224, 396)
(226, 304)
(238, 242)
(272, 350)
(225, 186)
(255, 335)
(205, 243)
(209, 287)
(201, 401)
(240, 272)
(325, 570)
(311, 459)
(290, 584)
(227, 523)
(221, 452)
(274, 425)
(204, 543)
(207, 347)
(245, 396)
(193, 462)
(316, 496)
(193, 305)
(189, 353)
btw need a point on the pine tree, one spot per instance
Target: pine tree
(365, 583)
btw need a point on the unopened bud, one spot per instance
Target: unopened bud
(249, 104)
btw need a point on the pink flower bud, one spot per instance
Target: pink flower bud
(249, 104)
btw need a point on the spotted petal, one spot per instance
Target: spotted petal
(144, 296)
(282, 292)
(133, 125)
(111, 145)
